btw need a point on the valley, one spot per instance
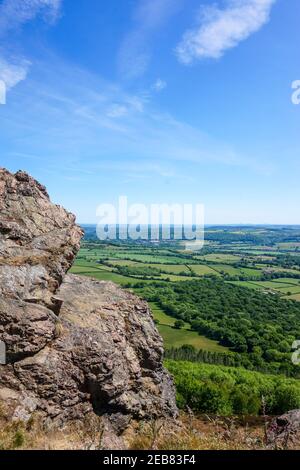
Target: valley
(233, 305)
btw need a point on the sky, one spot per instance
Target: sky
(164, 101)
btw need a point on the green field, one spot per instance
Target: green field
(248, 284)
(241, 264)
(220, 258)
(177, 338)
(227, 269)
(291, 288)
(102, 275)
(295, 297)
(102, 262)
(202, 269)
(257, 268)
(171, 268)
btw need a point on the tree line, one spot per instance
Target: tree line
(260, 327)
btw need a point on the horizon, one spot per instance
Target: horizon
(207, 225)
(162, 100)
(150, 228)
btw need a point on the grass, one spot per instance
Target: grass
(171, 268)
(188, 432)
(160, 315)
(219, 264)
(148, 259)
(174, 278)
(202, 270)
(294, 297)
(225, 268)
(282, 288)
(220, 258)
(124, 262)
(288, 246)
(270, 284)
(177, 338)
(249, 284)
(86, 269)
(250, 272)
(104, 275)
(293, 289)
(288, 280)
(192, 432)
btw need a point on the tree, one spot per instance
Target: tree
(179, 324)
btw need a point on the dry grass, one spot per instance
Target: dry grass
(34, 435)
(59, 329)
(187, 433)
(203, 433)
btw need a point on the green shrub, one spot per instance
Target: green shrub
(19, 439)
(287, 398)
(225, 391)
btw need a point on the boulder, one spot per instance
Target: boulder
(283, 429)
(74, 345)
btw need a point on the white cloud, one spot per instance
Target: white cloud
(14, 13)
(222, 29)
(11, 74)
(159, 85)
(117, 111)
(128, 105)
(136, 49)
(62, 107)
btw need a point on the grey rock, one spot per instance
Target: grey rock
(74, 345)
(283, 429)
(38, 240)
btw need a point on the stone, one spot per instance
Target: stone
(283, 429)
(74, 346)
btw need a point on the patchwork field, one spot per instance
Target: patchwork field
(262, 268)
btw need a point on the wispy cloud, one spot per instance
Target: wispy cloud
(136, 168)
(117, 111)
(159, 85)
(13, 14)
(11, 74)
(136, 49)
(221, 29)
(129, 105)
(62, 114)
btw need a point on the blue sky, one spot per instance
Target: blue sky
(164, 101)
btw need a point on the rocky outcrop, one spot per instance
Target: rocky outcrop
(38, 243)
(283, 430)
(73, 345)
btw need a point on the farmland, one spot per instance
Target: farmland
(263, 263)
(179, 337)
(273, 268)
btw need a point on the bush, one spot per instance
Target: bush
(231, 390)
(287, 398)
(259, 329)
(19, 439)
(178, 324)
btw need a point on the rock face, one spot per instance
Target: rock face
(73, 344)
(284, 429)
